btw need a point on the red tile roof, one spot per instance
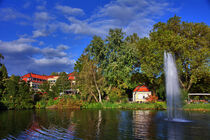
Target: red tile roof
(141, 89)
(71, 76)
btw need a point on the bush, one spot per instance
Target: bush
(41, 104)
(152, 98)
(51, 102)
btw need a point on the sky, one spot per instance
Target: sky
(45, 36)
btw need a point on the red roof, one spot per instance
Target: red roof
(32, 75)
(71, 76)
(141, 89)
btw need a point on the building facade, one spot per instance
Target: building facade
(35, 80)
(141, 93)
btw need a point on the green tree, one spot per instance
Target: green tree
(188, 42)
(62, 83)
(18, 94)
(116, 58)
(3, 78)
(89, 79)
(54, 73)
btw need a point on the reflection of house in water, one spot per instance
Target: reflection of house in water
(141, 121)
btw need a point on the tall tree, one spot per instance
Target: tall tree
(89, 79)
(115, 56)
(3, 78)
(188, 42)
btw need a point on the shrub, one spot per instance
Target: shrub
(152, 98)
(41, 104)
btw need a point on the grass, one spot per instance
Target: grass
(143, 106)
(201, 107)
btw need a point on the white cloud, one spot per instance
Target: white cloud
(69, 10)
(55, 52)
(39, 33)
(22, 57)
(7, 14)
(130, 15)
(43, 24)
(43, 16)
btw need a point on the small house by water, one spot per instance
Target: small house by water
(140, 93)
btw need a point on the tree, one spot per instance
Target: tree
(63, 83)
(116, 58)
(18, 94)
(54, 73)
(188, 42)
(89, 79)
(1, 57)
(3, 78)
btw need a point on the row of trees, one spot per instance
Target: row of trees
(110, 68)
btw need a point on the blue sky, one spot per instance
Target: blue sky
(44, 36)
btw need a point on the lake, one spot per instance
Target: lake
(101, 124)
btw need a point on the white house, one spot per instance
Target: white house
(140, 93)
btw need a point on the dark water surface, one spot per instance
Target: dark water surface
(101, 124)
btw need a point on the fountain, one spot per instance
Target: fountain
(174, 105)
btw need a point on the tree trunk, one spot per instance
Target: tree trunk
(182, 84)
(94, 96)
(190, 84)
(99, 93)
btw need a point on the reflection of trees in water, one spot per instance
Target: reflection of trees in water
(12, 122)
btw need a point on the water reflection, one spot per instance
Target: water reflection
(100, 124)
(141, 123)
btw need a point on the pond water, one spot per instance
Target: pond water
(101, 124)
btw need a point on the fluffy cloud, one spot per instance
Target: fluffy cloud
(43, 24)
(130, 15)
(11, 14)
(69, 10)
(22, 57)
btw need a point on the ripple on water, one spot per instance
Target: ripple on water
(178, 120)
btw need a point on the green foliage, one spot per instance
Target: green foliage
(17, 94)
(89, 79)
(188, 42)
(41, 104)
(51, 102)
(62, 83)
(196, 98)
(106, 64)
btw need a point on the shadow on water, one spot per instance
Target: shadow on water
(100, 124)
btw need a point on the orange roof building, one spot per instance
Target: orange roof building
(35, 79)
(140, 93)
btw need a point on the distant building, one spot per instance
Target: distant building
(34, 80)
(140, 93)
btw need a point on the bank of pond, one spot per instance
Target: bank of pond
(68, 102)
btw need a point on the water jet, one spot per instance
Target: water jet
(173, 96)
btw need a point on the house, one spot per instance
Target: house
(140, 93)
(52, 80)
(34, 80)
